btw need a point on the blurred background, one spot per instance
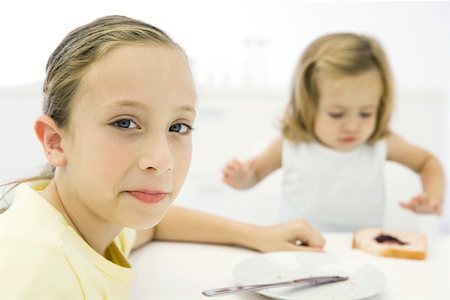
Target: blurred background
(242, 54)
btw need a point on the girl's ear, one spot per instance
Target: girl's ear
(50, 137)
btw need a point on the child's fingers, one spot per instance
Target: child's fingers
(406, 205)
(412, 204)
(235, 165)
(294, 247)
(433, 207)
(309, 236)
(229, 169)
(228, 177)
(227, 172)
(230, 182)
(225, 175)
(225, 168)
(230, 172)
(421, 201)
(424, 206)
(230, 163)
(228, 166)
(227, 181)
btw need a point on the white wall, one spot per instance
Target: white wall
(222, 36)
(242, 54)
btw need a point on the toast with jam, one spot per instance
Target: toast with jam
(390, 243)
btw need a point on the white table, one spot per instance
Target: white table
(167, 270)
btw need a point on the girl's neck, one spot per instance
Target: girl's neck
(95, 232)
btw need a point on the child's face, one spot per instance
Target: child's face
(346, 116)
(128, 145)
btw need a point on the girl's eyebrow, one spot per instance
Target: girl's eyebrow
(338, 106)
(139, 105)
(188, 109)
(125, 103)
(370, 107)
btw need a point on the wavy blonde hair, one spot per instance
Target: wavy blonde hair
(76, 52)
(338, 54)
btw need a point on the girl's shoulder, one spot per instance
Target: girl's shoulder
(34, 270)
(33, 225)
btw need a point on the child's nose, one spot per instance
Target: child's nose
(351, 124)
(156, 154)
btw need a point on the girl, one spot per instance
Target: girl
(335, 137)
(119, 106)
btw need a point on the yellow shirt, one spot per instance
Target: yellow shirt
(42, 257)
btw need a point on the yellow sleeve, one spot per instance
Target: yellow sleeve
(40, 273)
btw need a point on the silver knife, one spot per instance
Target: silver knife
(308, 281)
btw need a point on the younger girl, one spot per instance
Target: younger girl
(119, 106)
(335, 137)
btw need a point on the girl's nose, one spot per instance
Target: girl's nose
(351, 124)
(156, 155)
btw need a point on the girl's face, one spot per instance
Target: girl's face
(128, 144)
(347, 112)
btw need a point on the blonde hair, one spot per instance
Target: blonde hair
(338, 54)
(76, 52)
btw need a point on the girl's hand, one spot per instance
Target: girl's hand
(239, 175)
(423, 204)
(296, 235)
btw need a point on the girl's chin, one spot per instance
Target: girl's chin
(142, 221)
(140, 218)
(145, 224)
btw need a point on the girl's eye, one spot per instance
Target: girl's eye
(366, 114)
(336, 115)
(125, 124)
(180, 128)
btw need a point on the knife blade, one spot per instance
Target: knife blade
(308, 281)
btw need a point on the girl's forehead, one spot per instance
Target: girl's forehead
(369, 79)
(364, 89)
(151, 58)
(139, 70)
(372, 74)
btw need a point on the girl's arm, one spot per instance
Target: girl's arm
(427, 166)
(269, 160)
(244, 175)
(187, 225)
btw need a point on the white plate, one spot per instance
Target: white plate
(364, 280)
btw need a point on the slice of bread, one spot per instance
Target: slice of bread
(390, 243)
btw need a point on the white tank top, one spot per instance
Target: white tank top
(334, 190)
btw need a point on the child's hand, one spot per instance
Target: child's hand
(295, 235)
(423, 204)
(239, 175)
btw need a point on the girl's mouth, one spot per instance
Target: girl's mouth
(148, 197)
(348, 139)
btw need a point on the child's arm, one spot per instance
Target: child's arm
(244, 175)
(182, 224)
(427, 166)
